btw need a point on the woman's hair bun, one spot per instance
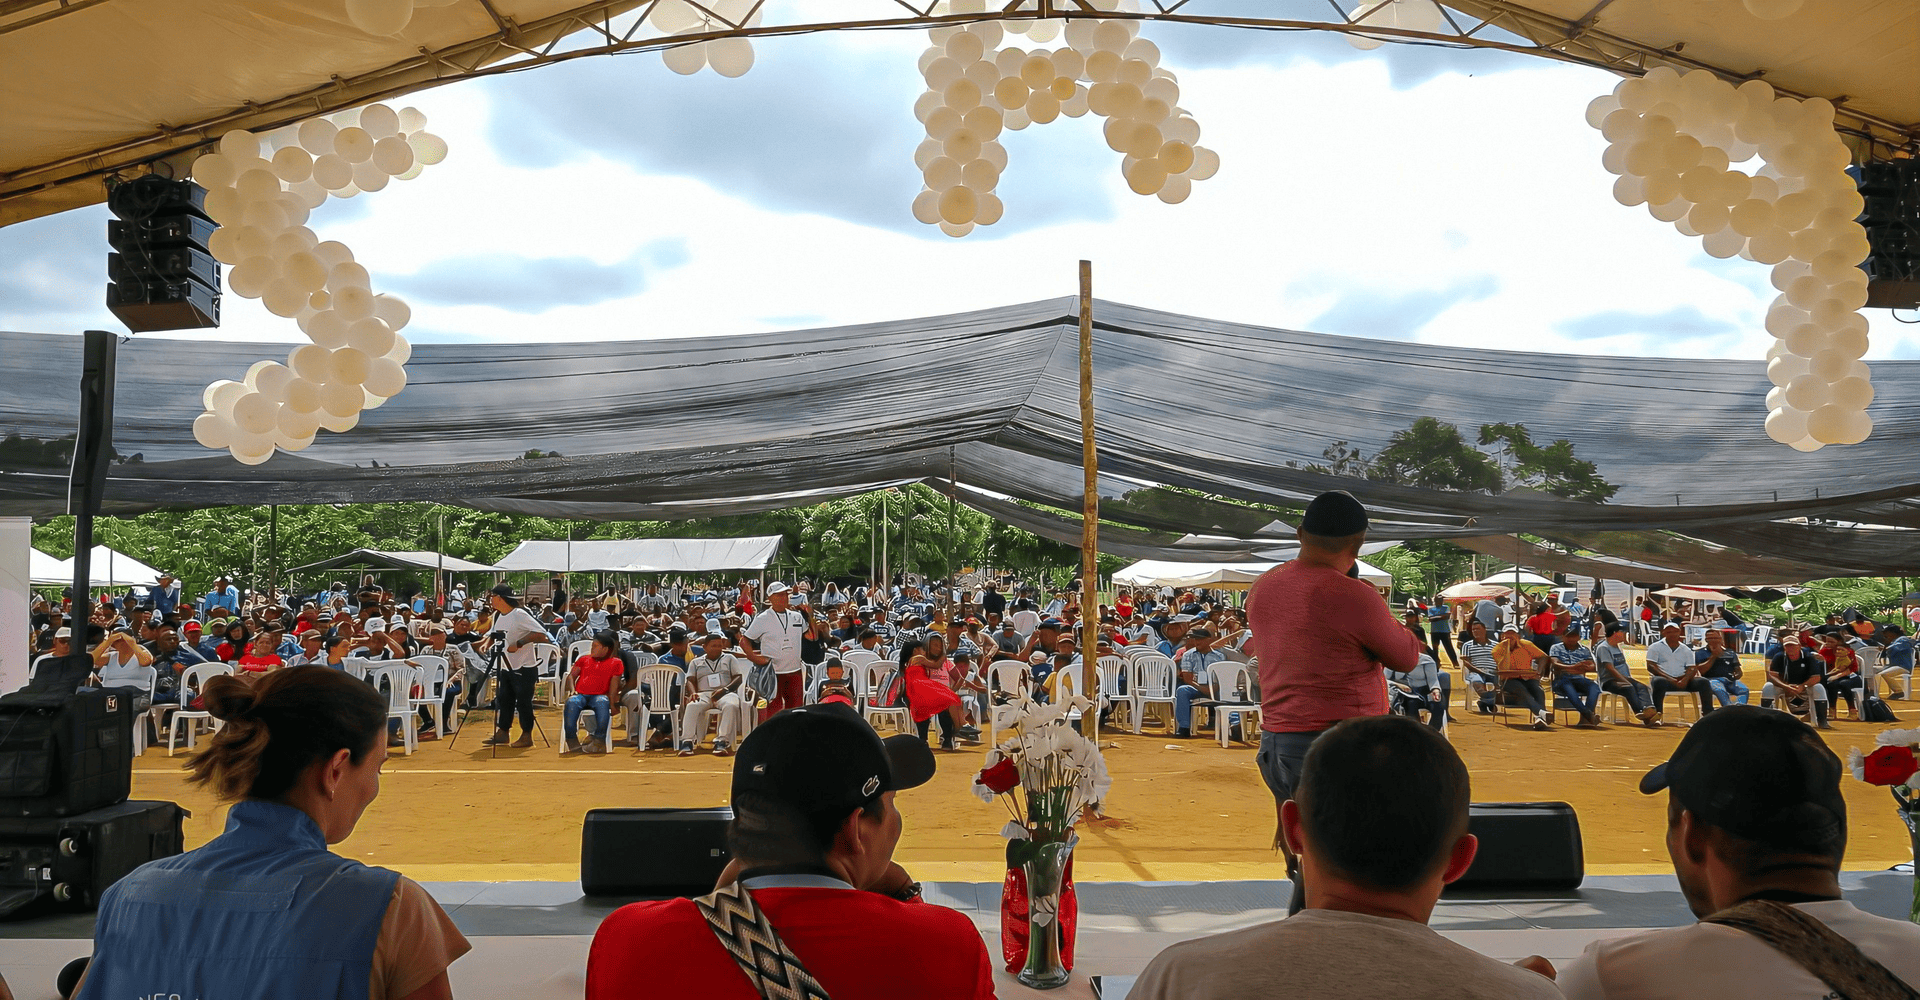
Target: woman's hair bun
(228, 698)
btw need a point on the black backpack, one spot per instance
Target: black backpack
(1873, 709)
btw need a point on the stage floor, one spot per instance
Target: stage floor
(531, 938)
(1180, 810)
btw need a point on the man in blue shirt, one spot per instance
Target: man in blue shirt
(1194, 677)
(1572, 663)
(1440, 628)
(224, 597)
(1897, 655)
(1721, 667)
(166, 597)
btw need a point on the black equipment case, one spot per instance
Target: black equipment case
(653, 852)
(1524, 845)
(62, 753)
(72, 860)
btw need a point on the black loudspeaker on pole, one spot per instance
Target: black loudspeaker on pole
(87, 483)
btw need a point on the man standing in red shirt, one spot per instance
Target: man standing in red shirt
(1322, 637)
(812, 840)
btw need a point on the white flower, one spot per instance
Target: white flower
(1898, 738)
(1857, 764)
(993, 757)
(982, 792)
(1014, 831)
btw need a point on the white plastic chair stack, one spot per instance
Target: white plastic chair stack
(195, 678)
(398, 678)
(1152, 685)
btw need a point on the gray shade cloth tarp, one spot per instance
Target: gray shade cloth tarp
(644, 555)
(381, 559)
(989, 400)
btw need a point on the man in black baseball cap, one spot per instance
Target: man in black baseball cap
(1756, 828)
(812, 838)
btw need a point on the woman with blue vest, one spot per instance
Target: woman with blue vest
(265, 910)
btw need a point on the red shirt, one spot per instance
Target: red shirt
(596, 676)
(1322, 638)
(1544, 623)
(259, 664)
(859, 945)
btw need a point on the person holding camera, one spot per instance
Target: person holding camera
(516, 632)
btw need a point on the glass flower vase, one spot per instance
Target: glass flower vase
(1045, 871)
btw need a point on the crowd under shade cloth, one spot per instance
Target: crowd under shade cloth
(546, 428)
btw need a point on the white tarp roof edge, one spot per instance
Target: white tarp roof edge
(643, 555)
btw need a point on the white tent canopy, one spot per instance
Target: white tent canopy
(48, 571)
(643, 555)
(1218, 576)
(379, 559)
(1524, 578)
(117, 569)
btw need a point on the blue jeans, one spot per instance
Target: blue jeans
(1280, 760)
(1728, 692)
(1582, 691)
(597, 704)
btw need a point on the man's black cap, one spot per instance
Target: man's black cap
(1760, 775)
(1334, 514)
(826, 761)
(506, 593)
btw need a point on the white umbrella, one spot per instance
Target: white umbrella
(1521, 578)
(1473, 590)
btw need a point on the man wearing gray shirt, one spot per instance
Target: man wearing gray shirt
(1379, 824)
(1617, 678)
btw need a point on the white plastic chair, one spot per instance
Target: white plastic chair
(550, 671)
(1151, 684)
(399, 680)
(432, 678)
(659, 680)
(1012, 676)
(140, 721)
(1232, 687)
(194, 679)
(898, 716)
(858, 657)
(1112, 669)
(1757, 642)
(642, 658)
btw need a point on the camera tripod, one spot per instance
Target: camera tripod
(496, 664)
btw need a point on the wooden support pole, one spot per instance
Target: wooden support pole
(1089, 515)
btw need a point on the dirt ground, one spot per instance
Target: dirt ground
(1180, 810)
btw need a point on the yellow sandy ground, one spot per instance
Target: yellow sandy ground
(1180, 809)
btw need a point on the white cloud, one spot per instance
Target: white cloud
(1463, 207)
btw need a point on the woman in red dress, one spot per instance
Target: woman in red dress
(926, 671)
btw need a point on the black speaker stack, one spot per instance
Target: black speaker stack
(163, 275)
(1892, 220)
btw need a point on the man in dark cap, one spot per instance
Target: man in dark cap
(1756, 827)
(1322, 638)
(812, 883)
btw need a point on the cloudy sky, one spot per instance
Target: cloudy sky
(1413, 194)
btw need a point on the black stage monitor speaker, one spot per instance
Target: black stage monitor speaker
(653, 852)
(63, 754)
(69, 861)
(1524, 845)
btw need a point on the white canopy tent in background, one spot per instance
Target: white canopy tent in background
(117, 569)
(643, 555)
(1474, 590)
(378, 559)
(48, 571)
(1218, 576)
(1511, 579)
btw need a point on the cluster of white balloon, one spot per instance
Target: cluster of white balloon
(976, 88)
(261, 195)
(729, 57)
(1672, 141)
(387, 17)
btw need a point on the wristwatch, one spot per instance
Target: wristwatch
(907, 893)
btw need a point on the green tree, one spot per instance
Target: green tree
(1550, 469)
(1434, 455)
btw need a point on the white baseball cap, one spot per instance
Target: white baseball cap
(776, 587)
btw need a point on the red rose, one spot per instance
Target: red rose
(1890, 766)
(1004, 777)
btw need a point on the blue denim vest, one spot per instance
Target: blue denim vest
(263, 911)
